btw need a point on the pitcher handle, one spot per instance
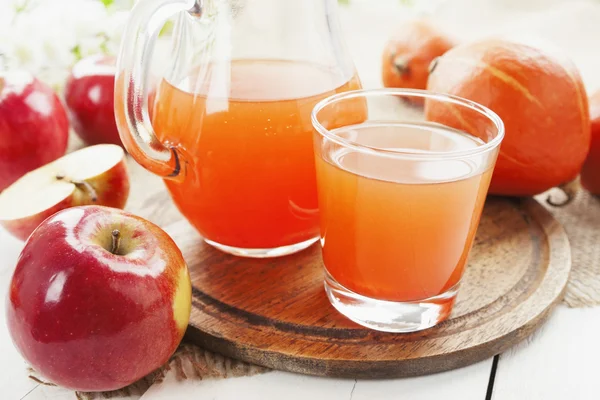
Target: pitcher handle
(131, 97)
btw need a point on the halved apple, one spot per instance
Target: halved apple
(93, 175)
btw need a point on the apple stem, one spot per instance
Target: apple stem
(116, 240)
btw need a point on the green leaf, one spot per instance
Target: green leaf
(24, 6)
(104, 43)
(167, 28)
(107, 3)
(344, 2)
(76, 51)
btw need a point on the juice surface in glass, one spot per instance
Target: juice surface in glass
(248, 133)
(399, 229)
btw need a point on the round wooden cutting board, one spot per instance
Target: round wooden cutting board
(275, 313)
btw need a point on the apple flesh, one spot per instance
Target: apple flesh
(93, 175)
(99, 298)
(89, 94)
(34, 128)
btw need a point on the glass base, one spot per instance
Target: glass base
(263, 253)
(390, 316)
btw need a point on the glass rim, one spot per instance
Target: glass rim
(491, 115)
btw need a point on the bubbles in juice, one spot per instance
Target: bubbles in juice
(247, 130)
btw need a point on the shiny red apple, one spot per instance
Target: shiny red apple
(34, 128)
(89, 94)
(93, 175)
(99, 298)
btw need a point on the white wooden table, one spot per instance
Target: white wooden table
(558, 362)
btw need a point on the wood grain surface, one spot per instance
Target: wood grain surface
(274, 312)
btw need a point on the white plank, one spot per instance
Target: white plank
(271, 385)
(42, 392)
(13, 370)
(464, 384)
(559, 362)
(469, 383)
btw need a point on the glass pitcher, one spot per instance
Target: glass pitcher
(228, 127)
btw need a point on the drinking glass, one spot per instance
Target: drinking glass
(401, 187)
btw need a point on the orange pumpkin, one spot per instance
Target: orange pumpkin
(407, 55)
(541, 99)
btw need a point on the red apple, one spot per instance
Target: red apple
(89, 95)
(93, 175)
(99, 298)
(34, 128)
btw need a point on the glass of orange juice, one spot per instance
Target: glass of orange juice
(401, 189)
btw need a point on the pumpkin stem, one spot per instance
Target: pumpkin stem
(433, 64)
(401, 64)
(569, 190)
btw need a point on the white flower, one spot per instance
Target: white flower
(47, 37)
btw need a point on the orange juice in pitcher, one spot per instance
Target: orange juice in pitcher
(252, 145)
